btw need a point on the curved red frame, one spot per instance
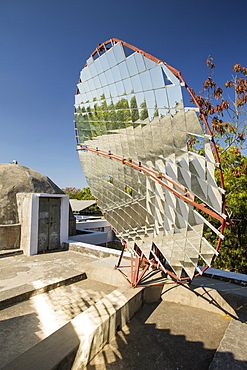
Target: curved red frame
(204, 118)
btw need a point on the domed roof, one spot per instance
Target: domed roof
(14, 179)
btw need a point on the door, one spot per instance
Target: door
(49, 224)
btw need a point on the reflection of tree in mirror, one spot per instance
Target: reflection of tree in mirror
(144, 111)
(123, 111)
(156, 111)
(134, 109)
(101, 118)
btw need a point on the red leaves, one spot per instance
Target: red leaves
(200, 100)
(240, 136)
(228, 84)
(236, 173)
(225, 104)
(209, 83)
(240, 89)
(209, 63)
(218, 93)
(191, 142)
(239, 102)
(218, 125)
(237, 68)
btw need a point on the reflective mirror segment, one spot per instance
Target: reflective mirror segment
(147, 158)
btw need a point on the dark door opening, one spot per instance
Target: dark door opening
(49, 224)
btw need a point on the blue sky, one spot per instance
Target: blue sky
(44, 44)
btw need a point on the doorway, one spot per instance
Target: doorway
(49, 224)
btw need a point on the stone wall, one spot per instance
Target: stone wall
(10, 236)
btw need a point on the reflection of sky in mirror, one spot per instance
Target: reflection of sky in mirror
(114, 76)
(174, 95)
(131, 65)
(139, 58)
(119, 91)
(118, 52)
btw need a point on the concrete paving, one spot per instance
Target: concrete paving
(22, 277)
(232, 351)
(164, 335)
(41, 269)
(24, 324)
(28, 316)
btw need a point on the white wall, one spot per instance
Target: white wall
(96, 224)
(28, 210)
(93, 237)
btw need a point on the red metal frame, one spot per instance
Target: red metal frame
(156, 176)
(135, 277)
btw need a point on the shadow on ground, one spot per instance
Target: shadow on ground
(165, 336)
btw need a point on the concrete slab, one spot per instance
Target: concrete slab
(209, 294)
(22, 276)
(93, 250)
(165, 336)
(104, 270)
(42, 268)
(229, 276)
(232, 351)
(42, 271)
(10, 252)
(25, 324)
(73, 345)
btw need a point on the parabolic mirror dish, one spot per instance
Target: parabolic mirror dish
(134, 138)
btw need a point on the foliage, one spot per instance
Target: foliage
(233, 253)
(228, 124)
(214, 105)
(81, 194)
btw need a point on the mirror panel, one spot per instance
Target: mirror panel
(130, 106)
(139, 59)
(131, 65)
(118, 53)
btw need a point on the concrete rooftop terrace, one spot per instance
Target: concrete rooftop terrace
(201, 325)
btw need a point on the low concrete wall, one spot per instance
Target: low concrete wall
(92, 250)
(77, 342)
(208, 294)
(10, 236)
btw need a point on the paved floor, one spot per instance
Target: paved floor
(38, 270)
(232, 351)
(26, 323)
(161, 336)
(164, 336)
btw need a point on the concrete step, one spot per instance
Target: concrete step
(27, 323)
(22, 277)
(10, 252)
(85, 335)
(26, 291)
(164, 335)
(232, 352)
